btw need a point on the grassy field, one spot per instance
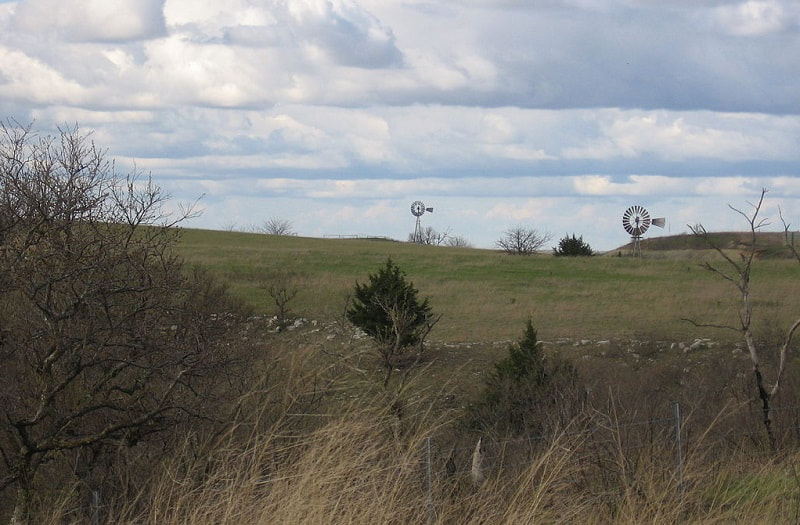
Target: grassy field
(487, 296)
(319, 439)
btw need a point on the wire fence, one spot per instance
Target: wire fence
(666, 441)
(626, 436)
(608, 444)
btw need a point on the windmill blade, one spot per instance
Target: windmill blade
(660, 222)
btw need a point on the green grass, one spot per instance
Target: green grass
(487, 296)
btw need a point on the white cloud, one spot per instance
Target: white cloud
(92, 20)
(340, 30)
(682, 135)
(338, 114)
(754, 18)
(25, 78)
(209, 18)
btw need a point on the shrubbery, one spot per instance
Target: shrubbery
(107, 342)
(520, 240)
(525, 391)
(572, 247)
(388, 309)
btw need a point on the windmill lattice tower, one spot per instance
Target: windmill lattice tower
(418, 209)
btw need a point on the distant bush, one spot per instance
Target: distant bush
(275, 226)
(520, 240)
(459, 241)
(524, 391)
(572, 247)
(429, 236)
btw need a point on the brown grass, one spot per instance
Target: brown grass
(354, 469)
(321, 442)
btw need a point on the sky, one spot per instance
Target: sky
(336, 115)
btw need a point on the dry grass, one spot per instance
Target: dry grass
(355, 469)
(346, 457)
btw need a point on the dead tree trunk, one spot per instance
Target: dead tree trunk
(738, 273)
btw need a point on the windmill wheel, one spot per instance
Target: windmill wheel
(636, 220)
(417, 208)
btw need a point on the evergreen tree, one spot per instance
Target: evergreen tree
(388, 309)
(572, 247)
(523, 391)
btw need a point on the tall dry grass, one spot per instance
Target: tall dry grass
(313, 445)
(357, 468)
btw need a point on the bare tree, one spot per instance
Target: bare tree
(108, 341)
(522, 241)
(429, 236)
(738, 273)
(276, 226)
(788, 236)
(458, 241)
(282, 291)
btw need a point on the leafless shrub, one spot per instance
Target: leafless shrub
(520, 240)
(459, 241)
(110, 342)
(738, 272)
(429, 236)
(276, 226)
(282, 292)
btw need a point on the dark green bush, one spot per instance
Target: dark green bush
(525, 392)
(572, 247)
(388, 309)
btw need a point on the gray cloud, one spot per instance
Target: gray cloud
(631, 58)
(351, 35)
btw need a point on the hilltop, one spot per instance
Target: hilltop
(769, 244)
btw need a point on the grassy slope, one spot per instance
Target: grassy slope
(486, 295)
(352, 469)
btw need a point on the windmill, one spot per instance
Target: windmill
(636, 220)
(418, 209)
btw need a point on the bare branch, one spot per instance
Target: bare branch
(107, 338)
(276, 226)
(784, 353)
(739, 276)
(522, 241)
(788, 242)
(710, 325)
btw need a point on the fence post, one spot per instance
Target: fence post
(679, 452)
(95, 507)
(429, 480)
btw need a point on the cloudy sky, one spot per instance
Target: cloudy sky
(337, 114)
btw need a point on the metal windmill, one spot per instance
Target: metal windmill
(636, 220)
(418, 209)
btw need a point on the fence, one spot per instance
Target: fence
(668, 440)
(606, 444)
(357, 236)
